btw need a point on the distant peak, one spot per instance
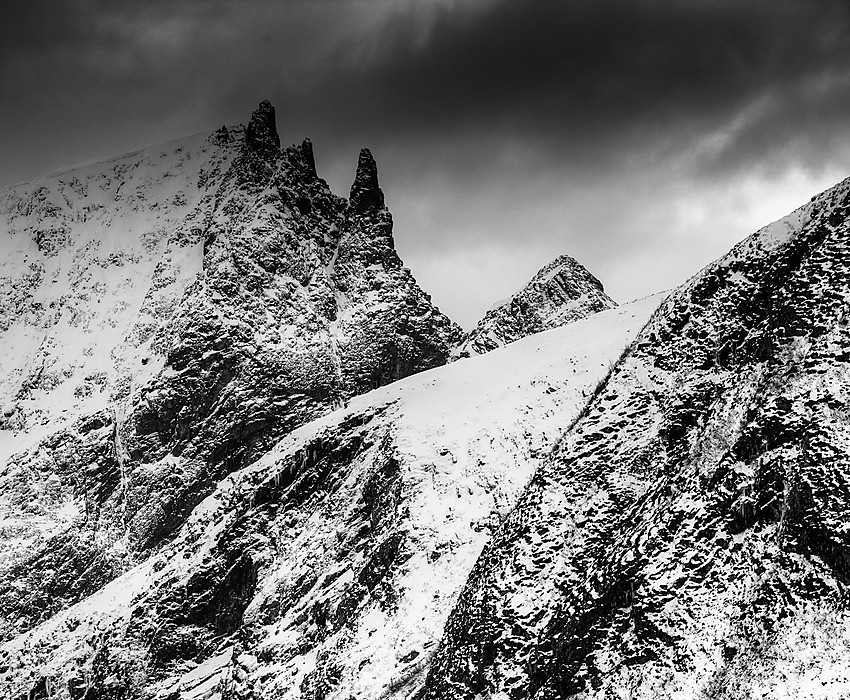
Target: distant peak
(366, 194)
(559, 293)
(566, 267)
(261, 135)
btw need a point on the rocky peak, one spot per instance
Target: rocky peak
(561, 292)
(256, 300)
(261, 135)
(308, 158)
(565, 267)
(366, 195)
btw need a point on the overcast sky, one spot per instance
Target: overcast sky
(642, 138)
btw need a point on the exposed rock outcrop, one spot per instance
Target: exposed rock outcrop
(261, 135)
(366, 195)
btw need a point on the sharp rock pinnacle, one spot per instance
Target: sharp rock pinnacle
(307, 156)
(366, 194)
(261, 135)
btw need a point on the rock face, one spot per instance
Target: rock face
(328, 568)
(168, 316)
(560, 293)
(690, 536)
(366, 196)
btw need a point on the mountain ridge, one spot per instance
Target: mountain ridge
(240, 467)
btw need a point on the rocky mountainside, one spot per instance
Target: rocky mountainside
(690, 536)
(167, 317)
(199, 502)
(561, 292)
(328, 568)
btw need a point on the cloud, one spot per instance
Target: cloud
(88, 78)
(505, 132)
(585, 80)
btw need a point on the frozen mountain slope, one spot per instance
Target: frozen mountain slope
(690, 537)
(86, 255)
(327, 569)
(166, 317)
(561, 292)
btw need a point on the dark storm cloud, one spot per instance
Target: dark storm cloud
(506, 132)
(585, 80)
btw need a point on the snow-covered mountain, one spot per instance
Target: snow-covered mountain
(218, 481)
(328, 568)
(166, 317)
(690, 536)
(561, 292)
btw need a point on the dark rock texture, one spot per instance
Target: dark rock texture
(366, 196)
(561, 292)
(261, 135)
(691, 535)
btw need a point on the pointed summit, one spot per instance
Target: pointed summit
(561, 292)
(307, 156)
(366, 194)
(261, 135)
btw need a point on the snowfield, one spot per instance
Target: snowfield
(465, 439)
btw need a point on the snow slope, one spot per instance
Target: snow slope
(328, 568)
(81, 252)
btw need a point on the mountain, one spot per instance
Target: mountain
(561, 292)
(690, 535)
(233, 466)
(167, 316)
(328, 568)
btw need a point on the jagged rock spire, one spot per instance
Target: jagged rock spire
(366, 195)
(261, 135)
(307, 156)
